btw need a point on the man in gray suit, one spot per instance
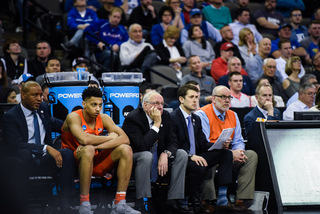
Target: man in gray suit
(154, 147)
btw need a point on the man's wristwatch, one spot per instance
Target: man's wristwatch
(167, 152)
(190, 155)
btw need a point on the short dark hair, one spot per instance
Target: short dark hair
(91, 92)
(241, 10)
(192, 82)
(282, 41)
(231, 74)
(164, 9)
(43, 41)
(4, 94)
(145, 86)
(52, 58)
(7, 44)
(182, 91)
(294, 9)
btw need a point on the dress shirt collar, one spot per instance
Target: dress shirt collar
(136, 43)
(304, 106)
(165, 43)
(264, 112)
(25, 111)
(149, 120)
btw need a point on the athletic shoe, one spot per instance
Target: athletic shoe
(85, 208)
(123, 208)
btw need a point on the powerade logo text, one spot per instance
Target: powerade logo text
(73, 95)
(124, 95)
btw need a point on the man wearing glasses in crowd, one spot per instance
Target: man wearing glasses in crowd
(215, 118)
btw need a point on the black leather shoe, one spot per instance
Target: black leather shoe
(208, 207)
(230, 208)
(183, 210)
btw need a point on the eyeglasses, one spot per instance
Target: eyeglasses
(271, 66)
(156, 104)
(295, 15)
(297, 61)
(81, 6)
(310, 93)
(224, 97)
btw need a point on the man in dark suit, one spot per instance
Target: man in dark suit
(187, 127)
(264, 110)
(27, 135)
(154, 145)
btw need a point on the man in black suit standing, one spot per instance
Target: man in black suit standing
(187, 127)
(154, 145)
(27, 135)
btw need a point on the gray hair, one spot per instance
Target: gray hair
(146, 97)
(231, 58)
(132, 26)
(217, 89)
(266, 60)
(306, 78)
(304, 87)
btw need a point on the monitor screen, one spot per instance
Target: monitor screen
(306, 115)
(295, 159)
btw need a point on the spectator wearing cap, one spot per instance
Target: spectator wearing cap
(311, 43)
(207, 28)
(186, 7)
(198, 45)
(136, 53)
(80, 62)
(37, 66)
(219, 66)
(21, 81)
(299, 31)
(268, 19)
(242, 21)
(227, 36)
(285, 33)
(217, 14)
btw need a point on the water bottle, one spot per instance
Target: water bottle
(80, 70)
(108, 109)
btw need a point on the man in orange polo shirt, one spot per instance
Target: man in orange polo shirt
(214, 118)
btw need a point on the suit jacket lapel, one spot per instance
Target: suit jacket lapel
(184, 125)
(24, 122)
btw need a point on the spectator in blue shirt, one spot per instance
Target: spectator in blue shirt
(297, 50)
(299, 31)
(111, 33)
(92, 4)
(79, 18)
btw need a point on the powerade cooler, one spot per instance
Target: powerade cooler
(65, 91)
(121, 91)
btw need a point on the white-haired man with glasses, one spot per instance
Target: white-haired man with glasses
(155, 149)
(215, 118)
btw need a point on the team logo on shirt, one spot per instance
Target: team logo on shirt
(84, 127)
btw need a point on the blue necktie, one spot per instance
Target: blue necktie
(36, 128)
(154, 170)
(221, 117)
(191, 136)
